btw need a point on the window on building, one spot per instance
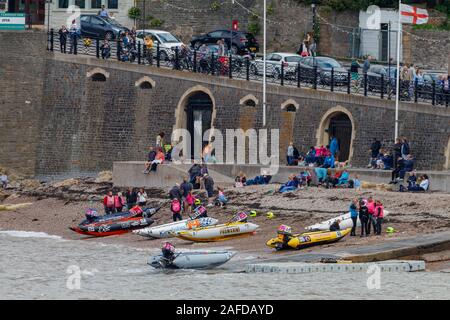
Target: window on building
(63, 3)
(96, 4)
(113, 4)
(80, 3)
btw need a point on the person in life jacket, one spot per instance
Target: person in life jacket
(175, 207)
(168, 252)
(371, 221)
(199, 210)
(108, 203)
(379, 214)
(119, 202)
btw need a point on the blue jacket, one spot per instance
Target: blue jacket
(329, 161)
(408, 165)
(353, 211)
(334, 146)
(344, 178)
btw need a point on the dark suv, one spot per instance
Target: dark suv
(100, 27)
(241, 43)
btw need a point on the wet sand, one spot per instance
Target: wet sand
(410, 214)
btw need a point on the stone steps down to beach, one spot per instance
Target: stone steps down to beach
(304, 267)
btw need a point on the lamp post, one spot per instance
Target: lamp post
(49, 2)
(264, 64)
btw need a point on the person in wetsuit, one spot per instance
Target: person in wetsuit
(168, 253)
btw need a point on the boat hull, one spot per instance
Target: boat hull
(193, 260)
(218, 233)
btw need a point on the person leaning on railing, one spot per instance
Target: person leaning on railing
(148, 45)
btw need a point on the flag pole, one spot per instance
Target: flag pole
(397, 87)
(264, 65)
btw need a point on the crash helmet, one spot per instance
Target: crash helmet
(197, 202)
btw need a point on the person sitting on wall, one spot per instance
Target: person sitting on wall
(310, 158)
(150, 158)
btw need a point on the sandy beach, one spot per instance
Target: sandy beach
(410, 214)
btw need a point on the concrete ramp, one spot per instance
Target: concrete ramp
(130, 174)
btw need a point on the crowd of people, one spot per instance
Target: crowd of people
(114, 203)
(370, 213)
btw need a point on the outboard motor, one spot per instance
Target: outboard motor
(91, 214)
(284, 235)
(148, 212)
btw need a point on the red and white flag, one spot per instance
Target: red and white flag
(413, 15)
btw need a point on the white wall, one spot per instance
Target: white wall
(371, 39)
(60, 16)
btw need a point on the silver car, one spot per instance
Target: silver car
(274, 61)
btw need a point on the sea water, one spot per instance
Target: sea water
(40, 266)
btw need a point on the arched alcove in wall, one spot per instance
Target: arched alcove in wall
(196, 112)
(338, 122)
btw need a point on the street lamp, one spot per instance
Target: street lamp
(48, 14)
(264, 64)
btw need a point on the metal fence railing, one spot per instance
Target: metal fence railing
(245, 68)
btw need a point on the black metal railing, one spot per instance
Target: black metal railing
(245, 68)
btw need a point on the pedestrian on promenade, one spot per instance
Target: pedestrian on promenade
(63, 33)
(103, 12)
(105, 48)
(148, 49)
(366, 65)
(74, 33)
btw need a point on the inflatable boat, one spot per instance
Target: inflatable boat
(114, 224)
(286, 240)
(219, 232)
(168, 230)
(346, 222)
(192, 260)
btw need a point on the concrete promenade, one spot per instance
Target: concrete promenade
(129, 173)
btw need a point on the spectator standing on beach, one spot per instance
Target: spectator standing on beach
(363, 217)
(379, 215)
(63, 33)
(142, 197)
(176, 193)
(108, 203)
(131, 197)
(119, 202)
(209, 187)
(354, 216)
(4, 180)
(371, 221)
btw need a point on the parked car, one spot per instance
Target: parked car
(324, 67)
(376, 73)
(241, 41)
(274, 61)
(100, 27)
(167, 42)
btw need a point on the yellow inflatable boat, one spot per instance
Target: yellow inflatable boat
(218, 233)
(287, 240)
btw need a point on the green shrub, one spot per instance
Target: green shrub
(134, 13)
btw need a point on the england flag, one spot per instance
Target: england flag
(413, 15)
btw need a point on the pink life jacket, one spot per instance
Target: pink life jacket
(379, 211)
(190, 199)
(110, 201)
(176, 206)
(371, 207)
(118, 202)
